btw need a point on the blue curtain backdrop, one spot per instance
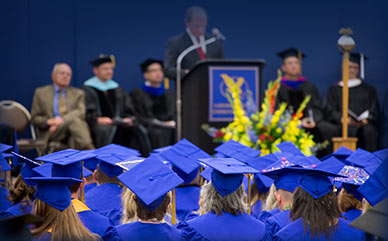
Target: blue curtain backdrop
(36, 34)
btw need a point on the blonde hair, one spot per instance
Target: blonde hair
(212, 201)
(129, 206)
(21, 192)
(63, 225)
(257, 196)
(271, 202)
(365, 206)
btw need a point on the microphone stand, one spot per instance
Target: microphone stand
(179, 83)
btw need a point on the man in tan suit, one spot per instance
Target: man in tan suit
(58, 111)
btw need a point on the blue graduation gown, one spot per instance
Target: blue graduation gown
(352, 214)
(275, 223)
(4, 203)
(256, 209)
(267, 214)
(89, 186)
(45, 237)
(144, 231)
(225, 227)
(16, 210)
(96, 223)
(105, 199)
(187, 201)
(294, 231)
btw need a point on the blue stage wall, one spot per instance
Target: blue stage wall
(36, 34)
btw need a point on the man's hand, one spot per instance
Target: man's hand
(170, 123)
(104, 121)
(351, 121)
(54, 123)
(307, 123)
(128, 121)
(186, 71)
(364, 122)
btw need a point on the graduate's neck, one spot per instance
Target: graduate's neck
(101, 79)
(291, 77)
(75, 195)
(154, 220)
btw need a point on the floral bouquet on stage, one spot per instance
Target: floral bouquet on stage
(262, 130)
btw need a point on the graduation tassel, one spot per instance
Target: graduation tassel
(83, 187)
(173, 209)
(249, 194)
(300, 61)
(113, 59)
(166, 83)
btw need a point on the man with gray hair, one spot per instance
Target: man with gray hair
(196, 23)
(58, 111)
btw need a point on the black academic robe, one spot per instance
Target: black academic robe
(361, 98)
(112, 103)
(151, 107)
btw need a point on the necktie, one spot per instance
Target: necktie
(201, 54)
(61, 104)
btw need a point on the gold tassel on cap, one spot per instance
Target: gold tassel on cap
(113, 59)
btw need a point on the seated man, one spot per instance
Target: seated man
(109, 111)
(363, 103)
(58, 111)
(155, 105)
(294, 88)
(196, 22)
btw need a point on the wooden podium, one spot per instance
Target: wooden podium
(195, 99)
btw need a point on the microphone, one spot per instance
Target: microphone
(218, 34)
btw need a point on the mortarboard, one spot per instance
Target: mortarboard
(184, 156)
(144, 65)
(86, 172)
(207, 173)
(331, 164)
(364, 159)
(4, 147)
(341, 154)
(291, 52)
(130, 162)
(150, 180)
(237, 150)
(44, 170)
(227, 174)
(316, 181)
(161, 149)
(285, 178)
(359, 58)
(54, 190)
(263, 183)
(354, 177)
(290, 148)
(67, 163)
(27, 169)
(375, 189)
(108, 164)
(101, 60)
(123, 151)
(381, 154)
(3, 162)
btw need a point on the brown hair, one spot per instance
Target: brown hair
(129, 206)
(257, 196)
(347, 201)
(158, 213)
(63, 225)
(103, 178)
(20, 191)
(320, 214)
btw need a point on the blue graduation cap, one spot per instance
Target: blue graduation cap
(263, 183)
(150, 180)
(130, 162)
(227, 174)
(67, 163)
(354, 177)
(237, 150)
(4, 147)
(381, 154)
(44, 170)
(290, 148)
(341, 154)
(119, 150)
(375, 189)
(86, 172)
(316, 181)
(108, 164)
(207, 173)
(331, 164)
(3, 162)
(364, 159)
(27, 169)
(219, 155)
(54, 190)
(161, 149)
(286, 178)
(184, 156)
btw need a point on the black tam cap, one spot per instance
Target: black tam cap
(356, 57)
(144, 65)
(102, 59)
(291, 52)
